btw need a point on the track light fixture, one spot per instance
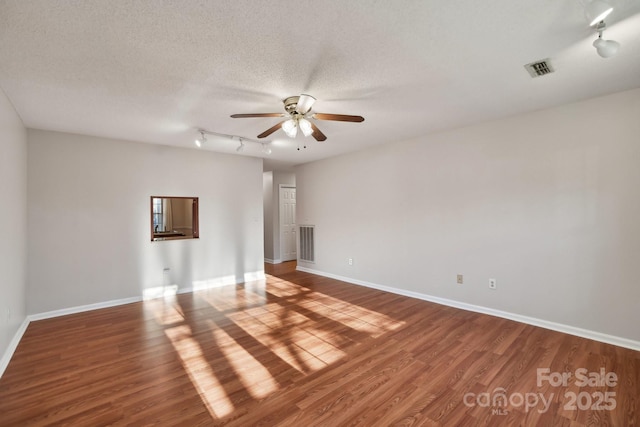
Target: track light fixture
(605, 48)
(265, 146)
(200, 141)
(597, 10)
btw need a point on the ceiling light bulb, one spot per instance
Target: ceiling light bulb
(606, 48)
(597, 10)
(305, 127)
(290, 128)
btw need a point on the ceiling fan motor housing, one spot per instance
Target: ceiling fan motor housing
(291, 103)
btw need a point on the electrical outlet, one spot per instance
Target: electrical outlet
(350, 261)
(460, 279)
(492, 284)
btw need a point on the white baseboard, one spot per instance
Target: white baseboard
(272, 261)
(201, 285)
(82, 308)
(254, 276)
(13, 344)
(213, 283)
(198, 286)
(559, 327)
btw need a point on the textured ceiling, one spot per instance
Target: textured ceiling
(155, 71)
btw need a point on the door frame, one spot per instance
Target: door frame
(281, 258)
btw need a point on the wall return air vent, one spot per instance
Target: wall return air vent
(539, 68)
(307, 243)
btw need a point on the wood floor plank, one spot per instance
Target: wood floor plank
(304, 350)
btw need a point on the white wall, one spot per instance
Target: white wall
(267, 195)
(89, 232)
(548, 203)
(13, 217)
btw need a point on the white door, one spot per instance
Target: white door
(288, 223)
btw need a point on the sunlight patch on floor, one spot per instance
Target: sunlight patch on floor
(233, 298)
(300, 325)
(165, 310)
(354, 317)
(273, 330)
(256, 379)
(305, 329)
(284, 289)
(200, 373)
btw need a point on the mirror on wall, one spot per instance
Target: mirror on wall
(174, 218)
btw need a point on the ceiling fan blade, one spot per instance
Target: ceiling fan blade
(271, 130)
(305, 102)
(244, 116)
(337, 117)
(317, 134)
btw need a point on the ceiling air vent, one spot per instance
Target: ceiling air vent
(539, 68)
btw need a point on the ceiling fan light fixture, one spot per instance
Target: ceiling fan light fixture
(290, 127)
(304, 104)
(597, 10)
(297, 113)
(305, 127)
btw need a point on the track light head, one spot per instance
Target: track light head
(605, 48)
(200, 141)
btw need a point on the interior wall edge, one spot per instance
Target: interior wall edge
(13, 345)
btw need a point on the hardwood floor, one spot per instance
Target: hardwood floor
(304, 350)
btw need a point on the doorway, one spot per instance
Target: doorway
(287, 209)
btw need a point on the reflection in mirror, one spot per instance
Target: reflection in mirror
(174, 218)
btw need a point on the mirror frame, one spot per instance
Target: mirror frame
(195, 226)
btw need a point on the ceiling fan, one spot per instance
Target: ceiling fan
(298, 111)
